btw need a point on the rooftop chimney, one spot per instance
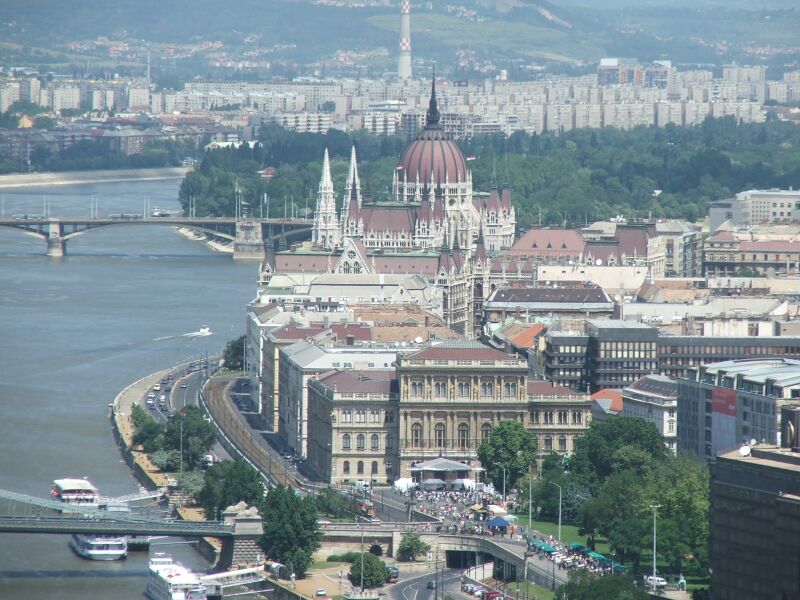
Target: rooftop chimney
(790, 427)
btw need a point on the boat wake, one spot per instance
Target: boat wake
(202, 332)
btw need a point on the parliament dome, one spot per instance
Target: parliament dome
(433, 152)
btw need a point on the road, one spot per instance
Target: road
(416, 587)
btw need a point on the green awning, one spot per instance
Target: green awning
(547, 548)
(577, 546)
(597, 556)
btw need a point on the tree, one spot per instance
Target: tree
(233, 354)
(291, 528)
(614, 446)
(332, 503)
(148, 432)
(411, 546)
(512, 446)
(376, 549)
(375, 572)
(228, 483)
(191, 432)
(583, 585)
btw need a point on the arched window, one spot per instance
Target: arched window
(374, 467)
(360, 441)
(416, 388)
(463, 435)
(346, 441)
(360, 467)
(374, 442)
(548, 443)
(463, 389)
(440, 389)
(487, 389)
(357, 268)
(439, 432)
(416, 435)
(510, 390)
(346, 267)
(346, 467)
(562, 443)
(486, 431)
(389, 441)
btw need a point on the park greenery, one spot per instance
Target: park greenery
(332, 503)
(375, 571)
(233, 355)
(511, 447)
(187, 431)
(619, 471)
(583, 585)
(411, 546)
(291, 529)
(578, 176)
(228, 483)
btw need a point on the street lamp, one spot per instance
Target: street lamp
(504, 481)
(655, 508)
(559, 509)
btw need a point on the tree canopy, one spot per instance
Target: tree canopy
(190, 431)
(509, 445)
(579, 175)
(583, 585)
(233, 355)
(375, 572)
(291, 528)
(615, 445)
(411, 546)
(228, 483)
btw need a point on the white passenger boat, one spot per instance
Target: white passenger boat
(100, 547)
(205, 330)
(170, 580)
(81, 493)
(78, 492)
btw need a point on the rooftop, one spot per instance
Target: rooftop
(361, 381)
(656, 385)
(782, 371)
(460, 350)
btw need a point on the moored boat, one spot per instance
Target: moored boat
(100, 547)
(170, 580)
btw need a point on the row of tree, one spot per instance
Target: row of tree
(619, 471)
(578, 176)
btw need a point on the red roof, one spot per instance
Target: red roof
(445, 352)
(549, 242)
(548, 388)
(770, 246)
(608, 394)
(361, 381)
(379, 218)
(433, 153)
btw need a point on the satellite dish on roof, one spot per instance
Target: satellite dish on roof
(418, 340)
(753, 442)
(744, 450)
(598, 262)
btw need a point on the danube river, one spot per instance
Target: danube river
(123, 303)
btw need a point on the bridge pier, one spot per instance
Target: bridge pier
(56, 244)
(249, 243)
(242, 548)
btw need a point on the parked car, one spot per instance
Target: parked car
(321, 592)
(660, 581)
(431, 584)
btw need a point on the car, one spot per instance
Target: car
(660, 581)
(151, 396)
(150, 404)
(287, 455)
(468, 587)
(184, 386)
(320, 592)
(478, 592)
(431, 584)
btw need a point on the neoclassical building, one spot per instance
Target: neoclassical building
(439, 401)
(435, 225)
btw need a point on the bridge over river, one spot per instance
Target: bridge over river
(251, 238)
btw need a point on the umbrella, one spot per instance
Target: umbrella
(577, 546)
(477, 508)
(597, 556)
(498, 510)
(497, 522)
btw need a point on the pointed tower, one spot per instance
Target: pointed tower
(351, 204)
(326, 225)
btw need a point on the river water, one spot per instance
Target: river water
(75, 331)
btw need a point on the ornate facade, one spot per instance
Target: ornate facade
(434, 226)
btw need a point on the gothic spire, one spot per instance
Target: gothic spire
(432, 120)
(326, 182)
(353, 185)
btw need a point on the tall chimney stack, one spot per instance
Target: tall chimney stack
(404, 59)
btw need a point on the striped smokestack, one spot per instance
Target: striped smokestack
(404, 59)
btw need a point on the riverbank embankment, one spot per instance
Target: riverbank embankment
(145, 472)
(25, 180)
